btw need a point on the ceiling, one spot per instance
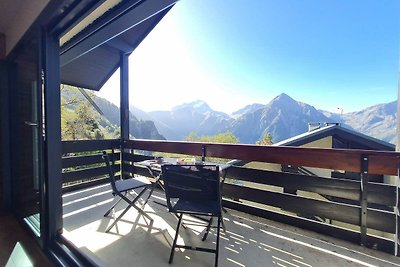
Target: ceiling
(8, 10)
(16, 16)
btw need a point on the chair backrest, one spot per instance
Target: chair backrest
(195, 183)
(110, 170)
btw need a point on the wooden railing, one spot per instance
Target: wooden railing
(354, 210)
(83, 165)
(360, 207)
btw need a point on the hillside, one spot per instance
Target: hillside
(378, 121)
(110, 120)
(247, 109)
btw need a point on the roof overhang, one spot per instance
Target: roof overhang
(90, 58)
(338, 131)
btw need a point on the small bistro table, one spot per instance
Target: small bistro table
(154, 168)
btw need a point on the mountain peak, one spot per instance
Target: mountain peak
(283, 97)
(283, 100)
(198, 105)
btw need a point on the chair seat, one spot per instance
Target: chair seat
(205, 207)
(129, 184)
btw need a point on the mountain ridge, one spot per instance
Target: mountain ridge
(283, 117)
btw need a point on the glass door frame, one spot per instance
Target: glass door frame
(51, 185)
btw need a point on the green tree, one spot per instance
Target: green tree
(226, 137)
(266, 140)
(81, 124)
(192, 137)
(79, 118)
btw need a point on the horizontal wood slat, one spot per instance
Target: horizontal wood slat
(323, 228)
(74, 161)
(129, 168)
(83, 185)
(380, 162)
(89, 145)
(378, 220)
(136, 157)
(381, 194)
(86, 173)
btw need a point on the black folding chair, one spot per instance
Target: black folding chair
(194, 190)
(122, 188)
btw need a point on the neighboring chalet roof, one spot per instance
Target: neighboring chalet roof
(92, 55)
(337, 131)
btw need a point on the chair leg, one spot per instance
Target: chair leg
(131, 204)
(217, 243)
(118, 218)
(112, 207)
(171, 257)
(150, 193)
(207, 230)
(222, 223)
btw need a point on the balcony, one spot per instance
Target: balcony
(274, 216)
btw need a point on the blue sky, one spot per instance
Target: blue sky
(329, 54)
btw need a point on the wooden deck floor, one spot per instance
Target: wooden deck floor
(248, 240)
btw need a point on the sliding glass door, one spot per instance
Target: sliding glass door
(27, 135)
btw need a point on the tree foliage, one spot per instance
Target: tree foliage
(226, 137)
(82, 124)
(266, 140)
(79, 120)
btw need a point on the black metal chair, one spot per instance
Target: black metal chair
(194, 190)
(122, 188)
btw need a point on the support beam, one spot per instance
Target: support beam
(124, 104)
(52, 151)
(130, 19)
(124, 96)
(398, 114)
(397, 212)
(397, 181)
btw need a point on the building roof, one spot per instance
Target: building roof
(366, 141)
(91, 56)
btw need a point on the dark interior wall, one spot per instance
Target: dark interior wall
(7, 70)
(3, 88)
(2, 46)
(25, 198)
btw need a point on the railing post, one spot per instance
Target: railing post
(203, 152)
(363, 199)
